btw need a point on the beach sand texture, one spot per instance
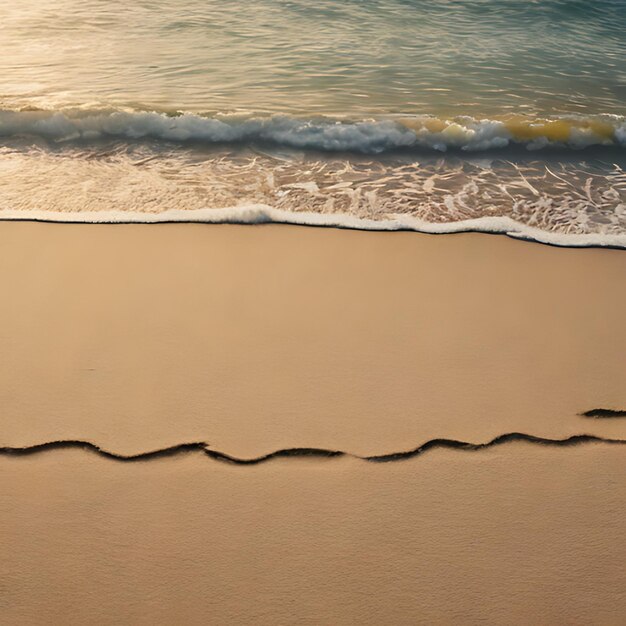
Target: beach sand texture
(253, 339)
(517, 535)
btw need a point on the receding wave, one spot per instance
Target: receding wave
(374, 136)
(571, 200)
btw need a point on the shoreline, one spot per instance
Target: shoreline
(260, 214)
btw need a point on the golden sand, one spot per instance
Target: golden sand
(254, 338)
(259, 338)
(518, 535)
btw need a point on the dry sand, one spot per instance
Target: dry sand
(518, 535)
(255, 339)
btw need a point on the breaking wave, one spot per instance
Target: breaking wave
(374, 136)
(521, 176)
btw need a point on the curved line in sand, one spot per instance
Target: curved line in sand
(604, 413)
(204, 448)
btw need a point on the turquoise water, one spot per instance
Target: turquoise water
(447, 110)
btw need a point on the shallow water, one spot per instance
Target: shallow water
(337, 57)
(461, 109)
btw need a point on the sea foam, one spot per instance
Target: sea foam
(374, 136)
(260, 214)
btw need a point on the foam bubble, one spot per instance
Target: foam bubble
(564, 201)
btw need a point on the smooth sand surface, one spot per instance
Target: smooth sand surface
(256, 338)
(259, 338)
(516, 535)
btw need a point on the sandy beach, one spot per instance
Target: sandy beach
(518, 535)
(253, 339)
(312, 313)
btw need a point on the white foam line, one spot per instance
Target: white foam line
(262, 214)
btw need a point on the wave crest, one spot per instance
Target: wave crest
(367, 136)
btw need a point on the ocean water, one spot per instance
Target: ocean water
(440, 115)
